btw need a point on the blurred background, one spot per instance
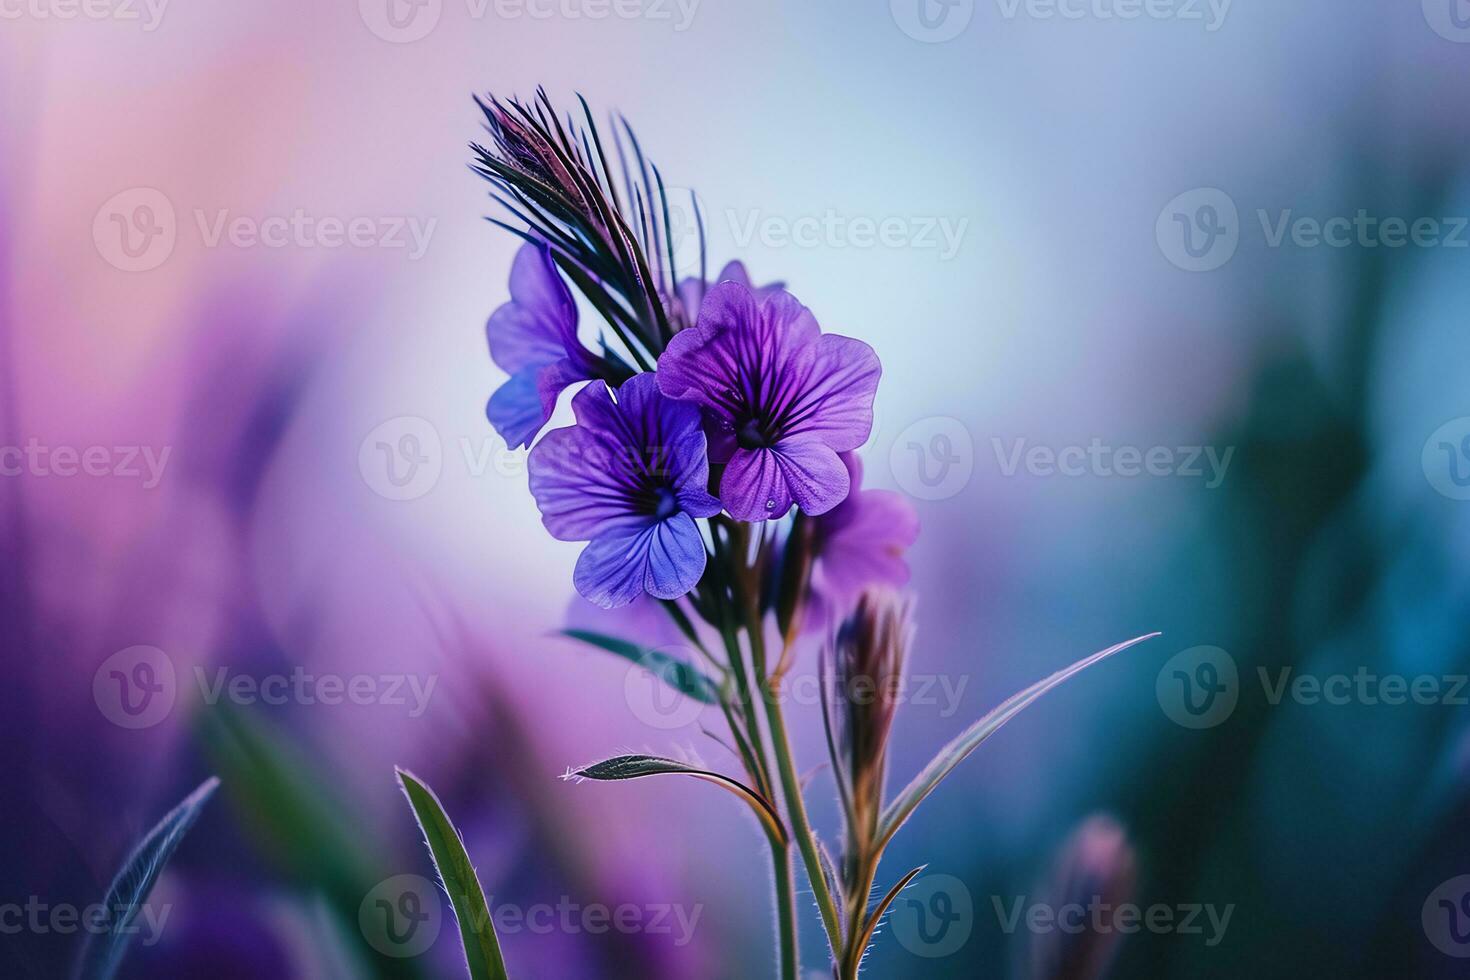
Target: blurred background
(1171, 301)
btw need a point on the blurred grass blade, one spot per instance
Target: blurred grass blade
(678, 674)
(636, 766)
(457, 875)
(103, 951)
(956, 751)
(297, 815)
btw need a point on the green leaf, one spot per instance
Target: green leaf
(636, 766)
(678, 674)
(457, 875)
(969, 740)
(103, 951)
(871, 927)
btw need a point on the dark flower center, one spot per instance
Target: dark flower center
(666, 505)
(751, 434)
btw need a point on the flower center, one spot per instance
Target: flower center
(750, 434)
(666, 505)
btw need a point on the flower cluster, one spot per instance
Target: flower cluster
(712, 471)
(752, 393)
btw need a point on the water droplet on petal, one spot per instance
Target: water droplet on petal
(770, 505)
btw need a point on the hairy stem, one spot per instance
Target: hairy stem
(785, 906)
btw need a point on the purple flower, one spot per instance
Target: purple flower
(859, 543)
(534, 339)
(629, 478)
(785, 399)
(690, 293)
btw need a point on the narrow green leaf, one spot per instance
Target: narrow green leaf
(457, 875)
(103, 950)
(678, 674)
(882, 907)
(956, 751)
(636, 766)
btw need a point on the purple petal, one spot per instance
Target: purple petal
(719, 356)
(664, 559)
(753, 487)
(675, 558)
(611, 571)
(734, 271)
(580, 485)
(862, 543)
(539, 324)
(814, 474)
(516, 411)
(762, 484)
(837, 401)
(690, 463)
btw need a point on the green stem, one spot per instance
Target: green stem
(801, 827)
(785, 906)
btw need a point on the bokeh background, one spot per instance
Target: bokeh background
(1113, 185)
